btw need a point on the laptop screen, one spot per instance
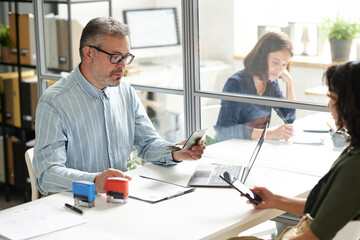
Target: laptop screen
(254, 155)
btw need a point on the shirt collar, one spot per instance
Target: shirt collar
(91, 90)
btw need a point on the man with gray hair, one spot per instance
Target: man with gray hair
(89, 121)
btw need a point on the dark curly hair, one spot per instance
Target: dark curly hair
(344, 80)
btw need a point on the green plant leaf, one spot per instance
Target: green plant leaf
(340, 28)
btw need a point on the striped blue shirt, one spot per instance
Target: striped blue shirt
(82, 131)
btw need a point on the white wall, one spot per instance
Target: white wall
(216, 21)
(250, 14)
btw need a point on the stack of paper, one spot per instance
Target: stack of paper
(36, 220)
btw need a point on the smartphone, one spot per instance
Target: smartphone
(193, 139)
(242, 188)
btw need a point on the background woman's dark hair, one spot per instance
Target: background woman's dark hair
(256, 62)
(344, 80)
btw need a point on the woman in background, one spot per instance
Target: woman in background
(264, 65)
(334, 201)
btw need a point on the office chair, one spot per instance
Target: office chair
(349, 231)
(29, 154)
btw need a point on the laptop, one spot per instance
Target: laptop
(208, 175)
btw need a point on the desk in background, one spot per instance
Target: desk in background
(310, 159)
(320, 91)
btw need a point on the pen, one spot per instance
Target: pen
(281, 115)
(316, 131)
(75, 209)
(332, 129)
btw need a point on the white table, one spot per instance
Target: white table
(206, 213)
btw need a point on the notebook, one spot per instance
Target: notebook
(208, 175)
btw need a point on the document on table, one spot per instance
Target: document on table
(152, 190)
(36, 220)
(312, 138)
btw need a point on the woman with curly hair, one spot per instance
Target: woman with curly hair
(334, 201)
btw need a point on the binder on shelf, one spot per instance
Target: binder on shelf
(24, 75)
(10, 161)
(20, 170)
(63, 44)
(12, 26)
(32, 40)
(77, 29)
(49, 83)
(9, 85)
(12, 101)
(28, 99)
(51, 42)
(16, 163)
(2, 160)
(24, 39)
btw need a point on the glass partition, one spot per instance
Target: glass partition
(166, 113)
(226, 40)
(226, 120)
(155, 40)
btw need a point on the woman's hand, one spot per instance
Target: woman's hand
(283, 132)
(286, 77)
(268, 198)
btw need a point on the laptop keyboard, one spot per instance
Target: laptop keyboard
(234, 170)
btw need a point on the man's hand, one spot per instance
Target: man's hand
(100, 179)
(194, 153)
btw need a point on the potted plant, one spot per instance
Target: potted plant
(5, 43)
(340, 34)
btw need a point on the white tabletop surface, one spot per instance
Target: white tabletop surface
(206, 213)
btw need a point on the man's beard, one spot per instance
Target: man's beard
(107, 81)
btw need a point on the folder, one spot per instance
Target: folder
(51, 43)
(9, 100)
(12, 26)
(12, 102)
(77, 29)
(10, 161)
(28, 99)
(24, 75)
(32, 40)
(20, 170)
(24, 39)
(2, 160)
(49, 83)
(152, 190)
(63, 44)
(16, 162)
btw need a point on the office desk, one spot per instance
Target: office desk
(317, 91)
(206, 213)
(313, 160)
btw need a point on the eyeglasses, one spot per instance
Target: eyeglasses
(116, 58)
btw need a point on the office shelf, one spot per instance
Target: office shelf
(23, 132)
